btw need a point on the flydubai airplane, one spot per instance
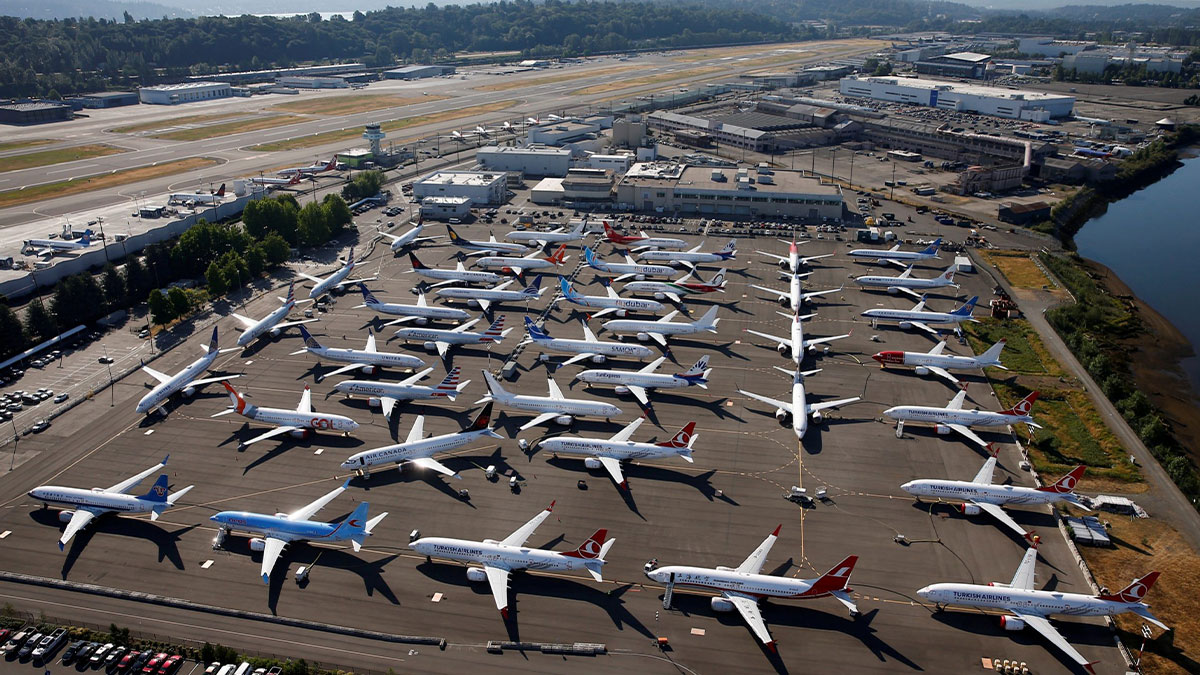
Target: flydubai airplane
(906, 283)
(611, 303)
(459, 275)
(541, 239)
(519, 266)
(895, 256)
(299, 423)
(483, 298)
(798, 411)
(940, 364)
(554, 407)
(278, 530)
(587, 348)
(86, 505)
(421, 313)
(442, 340)
(982, 494)
(609, 453)
(411, 238)
(792, 262)
(386, 395)
(642, 240)
(675, 291)
(419, 451)
(49, 247)
(320, 167)
(335, 280)
(954, 418)
(499, 558)
(795, 297)
(628, 269)
(369, 359)
(270, 324)
(1024, 606)
(741, 588)
(491, 246)
(660, 330)
(919, 317)
(692, 257)
(640, 382)
(795, 346)
(184, 381)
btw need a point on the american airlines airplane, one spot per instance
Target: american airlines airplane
(981, 494)
(554, 407)
(675, 291)
(386, 395)
(483, 298)
(692, 257)
(1024, 606)
(642, 240)
(905, 283)
(491, 246)
(443, 340)
(269, 324)
(954, 418)
(627, 269)
(940, 364)
(639, 382)
(792, 262)
(541, 239)
(660, 330)
(611, 303)
(610, 452)
(278, 530)
(498, 558)
(335, 280)
(744, 586)
(895, 256)
(49, 247)
(799, 410)
(459, 275)
(184, 381)
(588, 348)
(411, 238)
(795, 297)
(919, 317)
(519, 266)
(369, 359)
(299, 423)
(421, 313)
(86, 505)
(420, 451)
(795, 346)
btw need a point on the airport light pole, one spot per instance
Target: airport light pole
(112, 395)
(833, 165)
(893, 192)
(103, 240)
(852, 154)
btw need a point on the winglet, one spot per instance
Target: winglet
(551, 507)
(777, 528)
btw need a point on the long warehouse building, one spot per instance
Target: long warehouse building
(1035, 106)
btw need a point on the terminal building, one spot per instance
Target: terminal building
(477, 187)
(535, 160)
(172, 94)
(1035, 106)
(960, 64)
(417, 72)
(679, 188)
(35, 112)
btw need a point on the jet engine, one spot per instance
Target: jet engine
(188, 391)
(370, 370)
(785, 302)
(721, 605)
(65, 516)
(430, 346)
(276, 332)
(660, 296)
(374, 402)
(258, 545)
(599, 358)
(969, 509)
(421, 321)
(921, 370)
(893, 290)
(592, 463)
(639, 277)
(785, 265)
(299, 433)
(817, 417)
(621, 389)
(476, 574)
(564, 420)
(783, 417)
(1011, 623)
(784, 349)
(942, 429)
(905, 325)
(642, 337)
(621, 313)
(473, 303)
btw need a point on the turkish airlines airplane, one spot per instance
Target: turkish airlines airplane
(744, 586)
(411, 238)
(795, 297)
(792, 262)
(639, 382)
(795, 346)
(660, 330)
(905, 283)
(184, 381)
(518, 266)
(611, 303)
(419, 451)
(919, 317)
(954, 418)
(498, 558)
(459, 275)
(421, 313)
(692, 257)
(386, 395)
(797, 412)
(609, 453)
(86, 505)
(278, 530)
(588, 348)
(897, 257)
(491, 246)
(369, 359)
(553, 407)
(335, 280)
(299, 423)
(627, 269)
(270, 324)
(676, 290)
(484, 297)
(443, 340)
(310, 169)
(643, 240)
(940, 364)
(541, 239)
(1024, 606)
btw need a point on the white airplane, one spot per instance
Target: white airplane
(387, 394)
(541, 239)
(368, 359)
(270, 323)
(299, 423)
(692, 257)
(459, 275)
(934, 361)
(1025, 606)
(553, 407)
(518, 266)
(981, 494)
(660, 330)
(792, 262)
(86, 505)
(610, 452)
(184, 381)
(742, 587)
(198, 198)
(48, 247)
(335, 280)
(490, 246)
(795, 297)
(611, 303)
(483, 298)
(420, 313)
(419, 450)
(642, 240)
(921, 318)
(795, 346)
(676, 290)
(443, 340)
(278, 530)
(276, 182)
(799, 410)
(640, 382)
(897, 257)
(954, 418)
(905, 283)
(627, 269)
(410, 238)
(310, 169)
(499, 558)
(587, 348)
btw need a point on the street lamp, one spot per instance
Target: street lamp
(103, 240)
(892, 194)
(112, 395)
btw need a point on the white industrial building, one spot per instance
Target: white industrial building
(535, 160)
(477, 186)
(548, 191)
(445, 208)
(618, 164)
(311, 82)
(1048, 46)
(171, 94)
(1095, 61)
(677, 188)
(557, 133)
(1014, 104)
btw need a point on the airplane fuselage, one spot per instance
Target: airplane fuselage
(903, 315)
(404, 452)
(548, 237)
(426, 312)
(902, 282)
(506, 262)
(383, 359)
(568, 346)
(1045, 603)
(947, 361)
(755, 585)
(278, 527)
(605, 302)
(645, 380)
(403, 392)
(164, 390)
(292, 418)
(890, 255)
(466, 276)
(331, 281)
(264, 325)
(962, 490)
(660, 327)
(967, 418)
(668, 287)
(596, 447)
(91, 499)
(447, 336)
(685, 256)
(484, 294)
(635, 268)
(564, 406)
(799, 409)
(495, 554)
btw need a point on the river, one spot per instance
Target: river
(1151, 240)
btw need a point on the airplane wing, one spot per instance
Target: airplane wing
(516, 269)
(443, 348)
(805, 260)
(465, 326)
(342, 369)
(483, 304)
(624, 434)
(659, 338)
(614, 468)
(305, 405)
(780, 258)
(156, 375)
(311, 510)
(776, 338)
(653, 366)
(890, 261)
(208, 380)
(1042, 625)
(544, 417)
(434, 465)
(926, 327)
(825, 405)
(754, 562)
(387, 403)
(498, 579)
(417, 431)
(673, 297)
(971, 435)
(817, 341)
(277, 431)
(246, 321)
(578, 357)
(358, 280)
(639, 393)
(79, 520)
(814, 294)
(289, 324)
(748, 608)
(938, 348)
(125, 485)
(1000, 515)
(956, 403)
(555, 392)
(944, 374)
(310, 277)
(767, 289)
(604, 311)
(272, 549)
(416, 377)
(986, 472)
(1023, 579)
(783, 405)
(524, 532)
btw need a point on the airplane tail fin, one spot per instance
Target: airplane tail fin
(559, 255)
(836, 579)
(238, 403)
(609, 232)
(158, 491)
(592, 549)
(535, 332)
(948, 275)
(565, 287)
(933, 248)
(534, 289)
(483, 420)
(684, 438)
(291, 296)
(1022, 407)
(495, 390)
(993, 352)
(709, 321)
(496, 329)
(86, 239)
(718, 280)
(697, 369)
(1067, 483)
(368, 297)
(310, 342)
(731, 247)
(449, 386)
(357, 527)
(1135, 591)
(966, 309)
(454, 238)
(588, 256)
(212, 342)
(220, 191)
(417, 264)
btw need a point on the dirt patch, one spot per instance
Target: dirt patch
(237, 127)
(105, 180)
(648, 80)
(29, 160)
(350, 103)
(174, 122)
(517, 84)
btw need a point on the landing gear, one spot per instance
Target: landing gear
(219, 540)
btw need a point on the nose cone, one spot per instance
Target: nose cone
(890, 412)
(218, 518)
(350, 463)
(351, 425)
(878, 357)
(343, 386)
(908, 487)
(925, 592)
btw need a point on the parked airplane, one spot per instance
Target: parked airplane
(799, 410)
(320, 167)
(792, 262)
(981, 494)
(184, 381)
(954, 418)
(795, 346)
(443, 340)
(905, 283)
(660, 330)
(610, 452)
(675, 291)
(627, 269)
(553, 407)
(558, 236)
(491, 246)
(368, 359)
(897, 257)
(518, 266)
(270, 323)
(420, 313)
(419, 450)
(934, 361)
(744, 586)
(587, 348)
(642, 240)
(458, 275)
(692, 257)
(276, 182)
(86, 505)
(49, 247)
(499, 558)
(795, 297)
(484, 297)
(410, 238)
(299, 423)
(387, 394)
(639, 382)
(606, 303)
(1025, 606)
(198, 198)
(336, 279)
(278, 530)
(921, 318)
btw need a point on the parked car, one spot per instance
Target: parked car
(30, 644)
(100, 654)
(114, 657)
(127, 661)
(152, 665)
(15, 642)
(71, 651)
(61, 397)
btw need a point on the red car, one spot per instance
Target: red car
(126, 661)
(151, 666)
(169, 666)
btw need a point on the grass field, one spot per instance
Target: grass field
(350, 103)
(517, 84)
(227, 128)
(1019, 268)
(18, 145)
(394, 125)
(30, 160)
(650, 79)
(1024, 352)
(173, 122)
(63, 188)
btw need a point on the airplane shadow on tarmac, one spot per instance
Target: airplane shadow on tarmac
(109, 524)
(645, 475)
(286, 443)
(1078, 634)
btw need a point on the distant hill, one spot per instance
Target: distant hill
(99, 9)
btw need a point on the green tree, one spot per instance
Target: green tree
(12, 338)
(218, 285)
(276, 249)
(161, 310)
(137, 279)
(276, 214)
(338, 212)
(313, 226)
(256, 260)
(114, 288)
(78, 299)
(234, 268)
(179, 301)
(39, 322)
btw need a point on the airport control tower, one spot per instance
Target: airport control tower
(375, 136)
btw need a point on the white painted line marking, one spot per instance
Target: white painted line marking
(437, 597)
(207, 564)
(698, 631)
(148, 432)
(5, 533)
(83, 166)
(318, 451)
(250, 361)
